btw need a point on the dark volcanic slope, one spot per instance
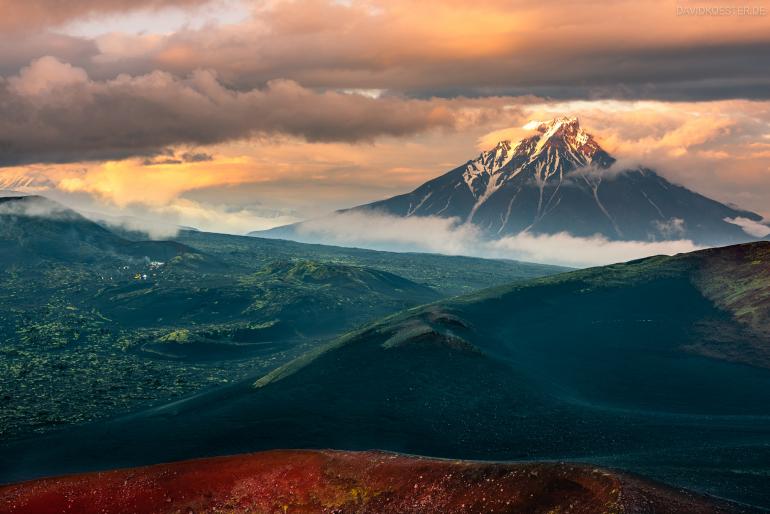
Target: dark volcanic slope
(645, 366)
(347, 482)
(93, 324)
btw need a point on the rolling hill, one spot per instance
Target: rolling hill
(336, 482)
(34, 229)
(94, 324)
(449, 274)
(649, 366)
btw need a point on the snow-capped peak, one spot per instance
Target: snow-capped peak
(561, 140)
(491, 160)
(555, 124)
(559, 146)
(564, 132)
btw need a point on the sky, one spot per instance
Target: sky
(239, 115)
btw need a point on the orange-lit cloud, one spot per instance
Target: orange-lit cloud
(127, 182)
(31, 14)
(620, 48)
(717, 148)
(312, 105)
(53, 112)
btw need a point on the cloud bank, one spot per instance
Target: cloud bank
(53, 112)
(274, 102)
(33, 14)
(433, 47)
(448, 236)
(751, 227)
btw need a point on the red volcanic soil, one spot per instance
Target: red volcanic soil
(342, 482)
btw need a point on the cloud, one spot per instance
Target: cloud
(53, 112)
(423, 49)
(196, 157)
(448, 236)
(751, 227)
(315, 178)
(169, 156)
(165, 221)
(31, 14)
(45, 76)
(673, 227)
(433, 47)
(35, 207)
(157, 230)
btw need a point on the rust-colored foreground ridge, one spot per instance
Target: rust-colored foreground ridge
(342, 482)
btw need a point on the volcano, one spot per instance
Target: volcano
(561, 180)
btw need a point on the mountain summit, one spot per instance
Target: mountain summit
(560, 147)
(561, 180)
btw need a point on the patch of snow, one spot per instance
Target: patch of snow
(424, 198)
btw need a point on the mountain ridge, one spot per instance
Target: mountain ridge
(35, 228)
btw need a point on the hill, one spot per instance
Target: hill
(449, 274)
(34, 229)
(347, 482)
(645, 366)
(94, 324)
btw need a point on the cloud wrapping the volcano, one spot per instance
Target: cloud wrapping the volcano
(448, 236)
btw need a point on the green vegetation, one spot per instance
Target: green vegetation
(93, 324)
(629, 366)
(446, 274)
(658, 366)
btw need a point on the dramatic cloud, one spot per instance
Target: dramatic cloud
(448, 236)
(27, 14)
(496, 47)
(434, 47)
(151, 103)
(720, 149)
(53, 112)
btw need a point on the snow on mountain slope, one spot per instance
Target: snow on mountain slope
(559, 180)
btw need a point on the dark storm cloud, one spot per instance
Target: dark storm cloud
(17, 52)
(281, 71)
(587, 49)
(53, 112)
(582, 49)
